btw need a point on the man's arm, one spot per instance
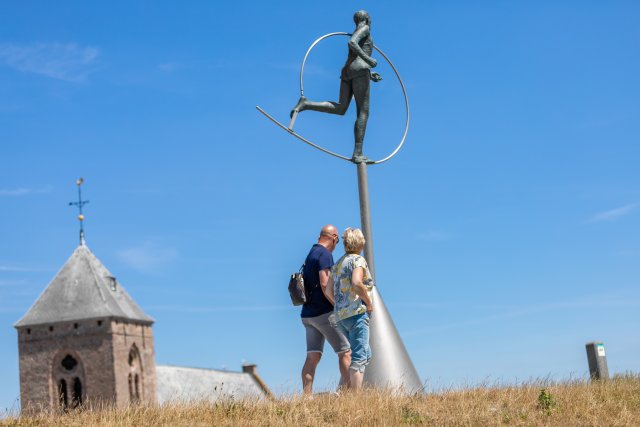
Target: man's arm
(330, 290)
(325, 280)
(358, 35)
(360, 288)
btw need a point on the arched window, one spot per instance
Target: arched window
(135, 375)
(68, 376)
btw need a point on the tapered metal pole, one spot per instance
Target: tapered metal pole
(365, 216)
(391, 366)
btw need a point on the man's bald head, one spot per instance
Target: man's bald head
(329, 237)
(328, 230)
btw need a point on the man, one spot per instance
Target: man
(317, 313)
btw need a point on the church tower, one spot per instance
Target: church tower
(85, 341)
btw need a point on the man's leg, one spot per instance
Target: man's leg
(309, 371)
(340, 344)
(315, 344)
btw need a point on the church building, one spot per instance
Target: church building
(85, 340)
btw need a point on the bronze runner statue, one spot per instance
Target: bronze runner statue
(354, 83)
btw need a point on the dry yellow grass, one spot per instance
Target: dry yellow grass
(611, 403)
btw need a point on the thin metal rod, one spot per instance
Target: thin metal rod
(80, 217)
(294, 116)
(80, 203)
(300, 137)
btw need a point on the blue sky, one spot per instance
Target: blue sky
(506, 231)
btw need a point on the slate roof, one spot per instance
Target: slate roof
(83, 289)
(179, 384)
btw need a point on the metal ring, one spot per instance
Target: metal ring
(404, 91)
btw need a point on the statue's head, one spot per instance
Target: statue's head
(361, 16)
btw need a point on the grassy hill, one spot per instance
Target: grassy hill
(578, 403)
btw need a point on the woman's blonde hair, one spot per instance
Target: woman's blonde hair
(353, 240)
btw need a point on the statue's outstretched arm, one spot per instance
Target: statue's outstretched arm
(354, 45)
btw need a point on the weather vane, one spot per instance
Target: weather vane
(80, 203)
(391, 365)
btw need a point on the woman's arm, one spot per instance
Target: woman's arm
(360, 288)
(354, 45)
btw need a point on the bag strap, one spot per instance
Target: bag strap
(307, 296)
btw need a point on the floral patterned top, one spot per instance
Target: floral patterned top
(347, 302)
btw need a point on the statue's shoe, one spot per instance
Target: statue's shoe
(299, 106)
(359, 159)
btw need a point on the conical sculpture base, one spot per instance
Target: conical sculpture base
(390, 367)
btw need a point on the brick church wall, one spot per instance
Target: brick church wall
(125, 336)
(102, 346)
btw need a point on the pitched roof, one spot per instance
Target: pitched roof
(83, 289)
(179, 384)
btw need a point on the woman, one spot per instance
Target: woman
(350, 285)
(354, 78)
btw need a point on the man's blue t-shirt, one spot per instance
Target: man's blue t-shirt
(319, 258)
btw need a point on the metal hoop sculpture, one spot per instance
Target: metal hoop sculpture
(301, 138)
(404, 92)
